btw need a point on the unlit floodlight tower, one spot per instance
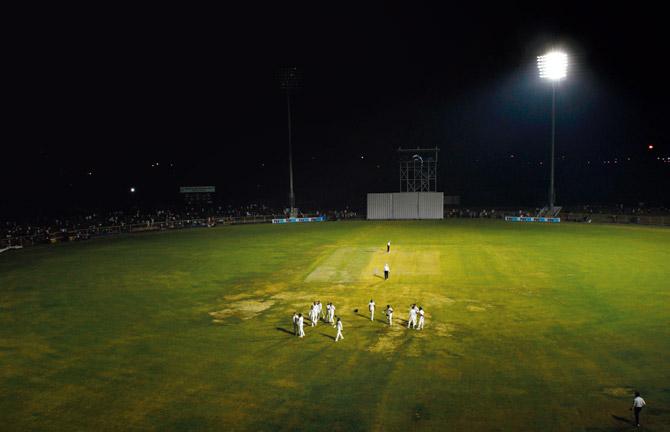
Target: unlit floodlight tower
(289, 79)
(554, 67)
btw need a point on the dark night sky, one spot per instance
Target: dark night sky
(111, 92)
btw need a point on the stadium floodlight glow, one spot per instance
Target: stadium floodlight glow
(553, 65)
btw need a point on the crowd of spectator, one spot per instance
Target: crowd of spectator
(621, 209)
(500, 213)
(84, 226)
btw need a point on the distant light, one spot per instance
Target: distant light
(553, 65)
(650, 146)
(362, 157)
(132, 189)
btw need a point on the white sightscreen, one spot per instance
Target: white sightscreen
(406, 205)
(380, 206)
(431, 205)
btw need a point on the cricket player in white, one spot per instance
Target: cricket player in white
(411, 321)
(318, 303)
(388, 247)
(389, 314)
(339, 330)
(301, 323)
(638, 404)
(332, 314)
(313, 314)
(295, 323)
(328, 312)
(421, 313)
(387, 270)
(371, 306)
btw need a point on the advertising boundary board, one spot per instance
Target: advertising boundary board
(531, 219)
(298, 220)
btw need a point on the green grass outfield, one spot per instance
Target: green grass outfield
(528, 328)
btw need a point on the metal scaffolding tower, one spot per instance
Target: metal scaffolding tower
(418, 169)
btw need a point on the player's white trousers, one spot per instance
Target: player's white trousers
(339, 336)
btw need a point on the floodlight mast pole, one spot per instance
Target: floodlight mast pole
(552, 195)
(289, 80)
(291, 196)
(553, 66)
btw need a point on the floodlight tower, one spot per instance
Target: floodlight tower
(289, 79)
(554, 67)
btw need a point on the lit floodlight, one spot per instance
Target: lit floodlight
(553, 65)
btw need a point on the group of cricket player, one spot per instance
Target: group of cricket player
(415, 320)
(316, 313)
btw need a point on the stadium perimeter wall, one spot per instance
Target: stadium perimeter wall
(405, 205)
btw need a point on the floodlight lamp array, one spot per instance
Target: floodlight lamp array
(553, 65)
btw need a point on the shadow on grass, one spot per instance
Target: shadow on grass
(328, 336)
(367, 317)
(379, 276)
(285, 331)
(622, 419)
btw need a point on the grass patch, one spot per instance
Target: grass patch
(527, 328)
